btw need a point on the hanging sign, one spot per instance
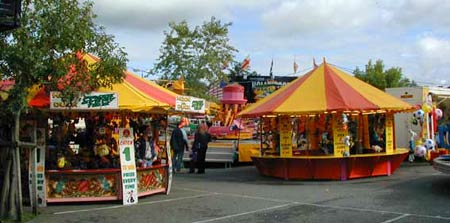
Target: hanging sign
(285, 136)
(91, 101)
(128, 166)
(37, 171)
(190, 104)
(389, 131)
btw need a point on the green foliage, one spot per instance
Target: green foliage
(49, 45)
(377, 76)
(197, 54)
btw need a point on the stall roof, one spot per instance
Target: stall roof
(325, 89)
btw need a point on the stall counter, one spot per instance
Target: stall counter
(101, 184)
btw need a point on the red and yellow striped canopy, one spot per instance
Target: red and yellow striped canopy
(135, 93)
(325, 89)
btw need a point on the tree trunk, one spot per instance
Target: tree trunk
(11, 193)
(16, 157)
(6, 183)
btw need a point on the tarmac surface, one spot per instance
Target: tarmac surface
(414, 193)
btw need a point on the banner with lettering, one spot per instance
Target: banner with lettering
(91, 101)
(190, 104)
(339, 134)
(389, 128)
(285, 136)
(128, 166)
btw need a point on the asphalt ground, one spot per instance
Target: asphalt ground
(414, 193)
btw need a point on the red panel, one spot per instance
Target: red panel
(327, 168)
(359, 167)
(341, 96)
(300, 169)
(333, 168)
(41, 99)
(151, 91)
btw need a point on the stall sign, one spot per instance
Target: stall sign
(190, 104)
(128, 166)
(389, 128)
(285, 136)
(93, 100)
(36, 171)
(339, 134)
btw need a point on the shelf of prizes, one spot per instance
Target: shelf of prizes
(97, 156)
(337, 146)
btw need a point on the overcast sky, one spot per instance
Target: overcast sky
(413, 35)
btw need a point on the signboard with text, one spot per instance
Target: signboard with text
(37, 171)
(339, 134)
(285, 136)
(190, 104)
(91, 101)
(389, 133)
(128, 166)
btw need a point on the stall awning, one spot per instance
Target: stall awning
(325, 89)
(135, 94)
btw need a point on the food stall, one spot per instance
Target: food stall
(327, 124)
(92, 165)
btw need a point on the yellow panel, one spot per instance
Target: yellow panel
(309, 97)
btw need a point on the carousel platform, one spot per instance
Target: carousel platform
(328, 167)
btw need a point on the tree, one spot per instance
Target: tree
(197, 54)
(48, 50)
(376, 75)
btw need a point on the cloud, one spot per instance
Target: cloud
(434, 58)
(411, 34)
(300, 18)
(154, 15)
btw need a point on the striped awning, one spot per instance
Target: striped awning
(325, 89)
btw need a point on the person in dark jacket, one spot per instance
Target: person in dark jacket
(145, 150)
(201, 140)
(178, 143)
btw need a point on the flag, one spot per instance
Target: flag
(246, 63)
(216, 90)
(295, 67)
(270, 72)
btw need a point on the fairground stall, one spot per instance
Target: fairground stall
(327, 124)
(426, 131)
(88, 151)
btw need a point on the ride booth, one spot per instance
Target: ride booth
(327, 124)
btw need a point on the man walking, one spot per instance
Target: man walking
(178, 142)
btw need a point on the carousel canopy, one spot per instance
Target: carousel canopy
(325, 89)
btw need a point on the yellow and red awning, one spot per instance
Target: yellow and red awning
(325, 89)
(135, 93)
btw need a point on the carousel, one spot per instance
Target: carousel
(327, 124)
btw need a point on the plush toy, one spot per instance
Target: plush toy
(376, 148)
(418, 115)
(426, 108)
(347, 141)
(429, 144)
(439, 113)
(420, 151)
(412, 139)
